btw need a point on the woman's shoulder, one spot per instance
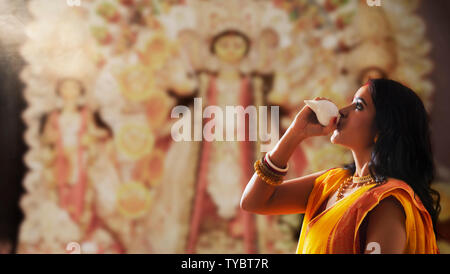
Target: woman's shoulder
(390, 185)
(398, 189)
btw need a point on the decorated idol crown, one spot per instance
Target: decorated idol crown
(209, 19)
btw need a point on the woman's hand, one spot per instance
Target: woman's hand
(307, 125)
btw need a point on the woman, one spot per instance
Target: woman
(382, 202)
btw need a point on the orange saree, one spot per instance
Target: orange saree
(337, 229)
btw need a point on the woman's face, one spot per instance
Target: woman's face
(231, 48)
(356, 128)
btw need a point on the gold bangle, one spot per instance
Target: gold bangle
(266, 170)
(267, 177)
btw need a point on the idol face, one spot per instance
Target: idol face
(70, 90)
(231, 48)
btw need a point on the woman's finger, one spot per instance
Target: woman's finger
(331, 125)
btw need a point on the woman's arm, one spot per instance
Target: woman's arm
(291, 196)
(386, 228)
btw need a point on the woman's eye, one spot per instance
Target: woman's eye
(359, 106)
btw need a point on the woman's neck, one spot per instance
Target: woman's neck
(362, 158)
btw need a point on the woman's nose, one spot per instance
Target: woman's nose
(344, 111)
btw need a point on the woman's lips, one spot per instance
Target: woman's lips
(339, 125)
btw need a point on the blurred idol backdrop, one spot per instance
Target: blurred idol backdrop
(90, 160)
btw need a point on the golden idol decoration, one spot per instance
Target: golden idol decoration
(133, 199)
(134, 140)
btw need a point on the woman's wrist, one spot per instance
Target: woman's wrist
(285, 147)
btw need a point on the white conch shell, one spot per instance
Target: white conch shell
(324, 109)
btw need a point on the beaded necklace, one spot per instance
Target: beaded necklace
(356, 181)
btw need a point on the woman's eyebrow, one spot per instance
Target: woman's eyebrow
(362, 99)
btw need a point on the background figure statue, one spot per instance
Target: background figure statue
(72, 137)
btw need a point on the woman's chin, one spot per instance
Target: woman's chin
(338, 139)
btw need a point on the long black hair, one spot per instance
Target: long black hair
(403, 148)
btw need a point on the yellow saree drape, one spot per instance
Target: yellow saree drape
(336, 230)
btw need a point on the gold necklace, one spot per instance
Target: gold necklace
(362, 179)
(358, 181)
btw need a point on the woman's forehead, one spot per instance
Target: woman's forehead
(363, 92)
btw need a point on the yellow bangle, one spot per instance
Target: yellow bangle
(265, 176)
